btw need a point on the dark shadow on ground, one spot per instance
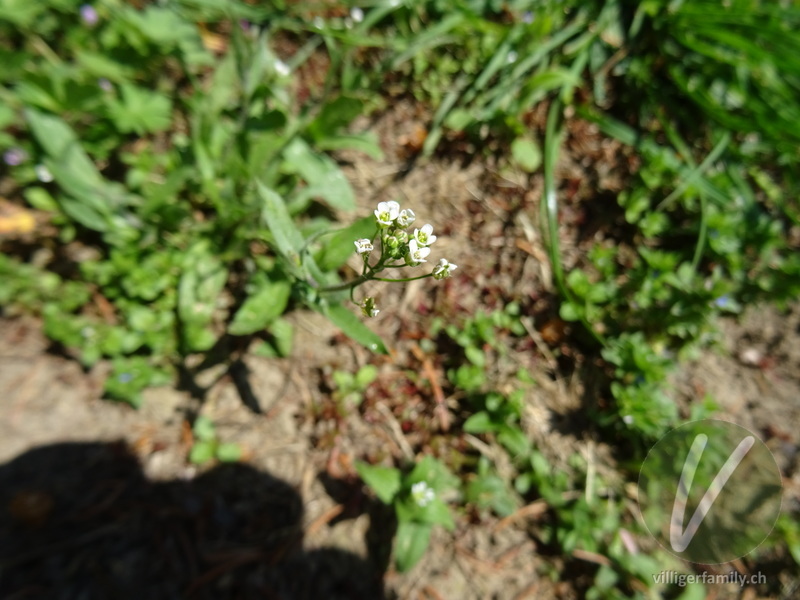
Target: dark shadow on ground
(80, 521)
(382, 520)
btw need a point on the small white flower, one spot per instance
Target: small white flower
(319, 22)
(368, 307)
(443, 269)
(43, 174)
(425, 235)
(512, 57)
(422, 494)
(363, 246)
(627, 419)
(406, 217)
(416, 254)
(282, 69)
(387, 212)
(357, 14)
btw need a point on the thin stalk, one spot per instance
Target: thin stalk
(696, 173)
(686, 153)
(549, 208)
(701, 237)
(404, 279)
(347, 284)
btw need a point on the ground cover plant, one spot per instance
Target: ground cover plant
(175, 190)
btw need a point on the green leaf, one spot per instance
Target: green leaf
(434, 512)
(540, 465)
(85, 214)
(578, 281)
(693, 591)
(224, 86)
(8, 115)
(95, 203)
(21, 13)
(229, 452)
(365, 376)
(168, 29)
(384, 481)
(475, 355)
(434, 473)
(514, 440)
(570, 311)
(490, 490)
(527, 154)
(40, 199)
(39, 94)
(204, 429)
(288, 238)
(63, 146)
(410, 544)
(458, 119)
(338, 247)
(335, 115)
(355, 329)
(202, 452)
(261, 65)
(100, 65)
(200, 285)
(140, 111)
(283, 333)
(366, 143)
(479, 423)
(130, 374)
(344, 381)
(261, 308)
(323, 175)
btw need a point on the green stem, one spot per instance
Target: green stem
(549, 209)
(363, 279)
(698, 171)
(404, 279)
(701, 237)
(347, 284)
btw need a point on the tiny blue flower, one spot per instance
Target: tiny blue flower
(89, 15)
(723, 301)
(14, 157)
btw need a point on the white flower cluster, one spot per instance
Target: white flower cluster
(422, 493)
(398, 244)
